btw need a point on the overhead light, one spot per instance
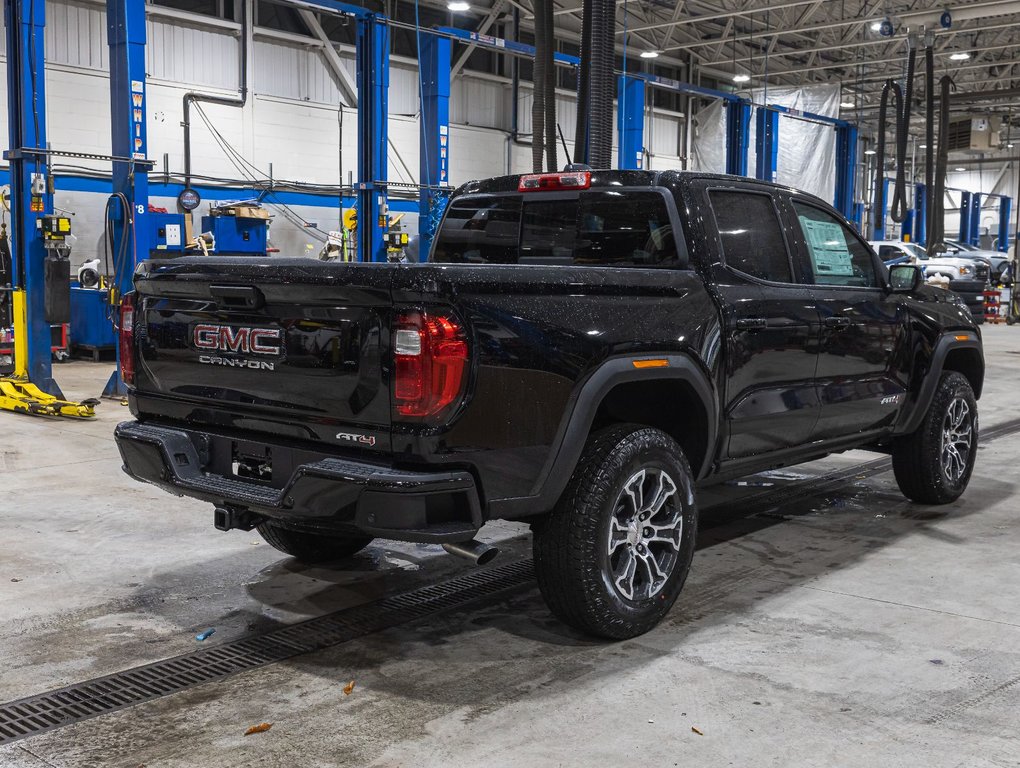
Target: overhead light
(869, 151)
(959, 56)
(1009, 146)
(922, 146)
(649, 54)
(847, 105)
(741, 78)
(458, 5)
(876, 26)
(959, 170)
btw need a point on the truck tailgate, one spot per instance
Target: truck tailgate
(291, 347)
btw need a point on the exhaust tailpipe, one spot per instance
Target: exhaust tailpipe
(473, 550)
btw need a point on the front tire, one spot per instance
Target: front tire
(934, 464)
(613, 555)
(310, 547)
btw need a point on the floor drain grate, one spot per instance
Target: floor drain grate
(56, 709)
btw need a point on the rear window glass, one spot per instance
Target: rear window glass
(593, 228)
(752, 239)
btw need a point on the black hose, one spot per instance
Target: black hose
(549, 85)
(938, 209)
(583, 82)
(929, 138)
(878, 198)
(898, 208)
(538, 89)
(600, 91)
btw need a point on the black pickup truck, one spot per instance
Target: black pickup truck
(582, 350)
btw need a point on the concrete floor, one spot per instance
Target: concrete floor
(852, 628)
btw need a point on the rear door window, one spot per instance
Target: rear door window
(611, 228)
(751, 235)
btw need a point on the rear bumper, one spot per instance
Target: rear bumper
(325, 493)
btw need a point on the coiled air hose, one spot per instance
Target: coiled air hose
(878, 197)
(898, 208)
(937, 213)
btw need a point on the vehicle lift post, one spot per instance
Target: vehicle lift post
(738, 136)
(373, 73)
(879, 208)
(1005, 211)
(766, 144)
(974, 233)
(965, 211)
(125, 24)
(30, 195)
(920, 215)
(630, 122)
(434, 149)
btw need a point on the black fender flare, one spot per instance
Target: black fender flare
(947, 342)
(575, 426)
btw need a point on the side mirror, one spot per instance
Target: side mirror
(905, 278)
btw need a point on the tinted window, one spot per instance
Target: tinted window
(888, 252)
(593, 228)
(480, 230)
(837, 256)
(752, 238)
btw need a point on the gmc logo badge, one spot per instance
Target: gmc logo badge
(224, 338)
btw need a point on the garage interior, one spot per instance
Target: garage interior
(827, 619)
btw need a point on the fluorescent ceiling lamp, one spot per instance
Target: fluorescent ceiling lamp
(649, 54)
(959, 56)
(959, 170)
(741, 78)
(869, 151)
(847, 105)
(458, 5)
(1009, 146)
(876, 25)
(922, 146)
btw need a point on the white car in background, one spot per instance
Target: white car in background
(997, 260)
(953, 266)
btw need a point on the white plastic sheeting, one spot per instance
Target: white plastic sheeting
(807, 151)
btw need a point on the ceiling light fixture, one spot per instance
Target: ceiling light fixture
(959, 56)
(458, 5)
(847, 105)
(959, 170)
(876, 25)
(922, 146)
(649, 54)
(1009, 146)
(869, 151)
(741, 78)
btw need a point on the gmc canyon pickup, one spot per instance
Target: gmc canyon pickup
(582, 350)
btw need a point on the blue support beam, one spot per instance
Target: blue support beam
(373, 72)
(30, 198)
(738, 136)
(767, 144)
(858, 217)
(965, 211)
(846, 169)
(1005, 209)
(435, 135)
(974, 233)
(907, 227)
(125, 26)
(920, 214)
(630, 122)
(879, 208)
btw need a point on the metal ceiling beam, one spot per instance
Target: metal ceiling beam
(724, 15)
(483, 27)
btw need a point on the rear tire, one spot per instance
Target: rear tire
(934, 464)
(613, 555)
(310, 547)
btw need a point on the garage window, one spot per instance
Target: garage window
(752, 239)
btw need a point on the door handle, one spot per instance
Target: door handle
(837, 321)
(237, 296)
(751, 323)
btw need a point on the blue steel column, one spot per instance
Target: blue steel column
(878, 211)
(26, 100)
(921, 214)
(964, 217)
(974, 235)
(373, 54)
(630, 122)
(767, 144)
(435, 135)
(125, 25)
(858, 217)
(1005, 209)
(738, 133)
(846, 169)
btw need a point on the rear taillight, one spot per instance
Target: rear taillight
(127, 338)
(430, 355)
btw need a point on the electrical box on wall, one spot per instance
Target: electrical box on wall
(237, 234)
(167, 234)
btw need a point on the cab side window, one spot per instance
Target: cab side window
(837, 257)
(751, 235)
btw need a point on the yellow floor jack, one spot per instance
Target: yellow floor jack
(19, 394)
